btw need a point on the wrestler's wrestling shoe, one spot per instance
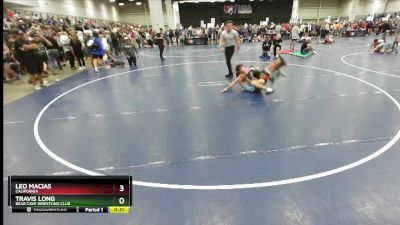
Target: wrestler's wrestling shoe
(269, 91)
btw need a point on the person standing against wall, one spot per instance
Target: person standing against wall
(228, 39)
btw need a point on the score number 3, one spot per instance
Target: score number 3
(121, 200)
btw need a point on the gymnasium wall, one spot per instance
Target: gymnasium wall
(310, 9)
(138, 14)
(99, 9)
(193, 13)
(362, 8)
(22, 2)
(345, 9)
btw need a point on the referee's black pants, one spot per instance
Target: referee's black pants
(161, 48)
(276, 48)
(228, 56)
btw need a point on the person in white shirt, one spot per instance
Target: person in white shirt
(106, 48)
(302, 30)
(35, 17)
(278, 28)
(148, 39)
(295, 35)
(228, 39)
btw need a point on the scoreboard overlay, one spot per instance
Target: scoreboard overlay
(70, 194)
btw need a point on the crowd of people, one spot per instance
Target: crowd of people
(272, 34)
(43, 46)
(254, 33)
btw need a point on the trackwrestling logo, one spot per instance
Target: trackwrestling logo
(238, 9)
(230, 9)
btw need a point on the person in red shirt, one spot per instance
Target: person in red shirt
(364, 24)
(285, 26)
(355, 25)
(9, 13)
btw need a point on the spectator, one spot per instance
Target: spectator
(53, 50)
(42, 44)
(130, 52)
(30, 56)
(8, 72)
(171, 36)
(277, 42)
(166, 36)
(77, 49)
(115, 42)
(106, 48)
(278, 28)
(65, 42)
(97, 50)
(294, 35)
(161, 43)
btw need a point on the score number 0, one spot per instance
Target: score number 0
(121, 200)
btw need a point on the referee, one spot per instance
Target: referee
(229, 37)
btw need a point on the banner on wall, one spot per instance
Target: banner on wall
(244, 9)
(237, 9)
(229, 9)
